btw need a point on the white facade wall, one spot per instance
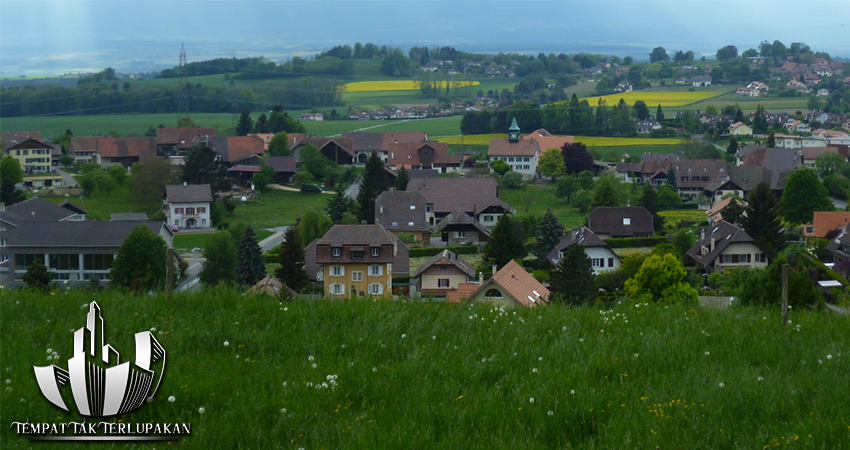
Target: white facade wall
(525, 165)
(602, 259)
(190, 215)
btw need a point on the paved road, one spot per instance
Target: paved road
(273, 240)
(190, 283)
(68, 180)
(839, 204)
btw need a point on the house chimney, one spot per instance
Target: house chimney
(494, 269)
(480, 277)
(184, 183)
(712, 241)
(702, 234)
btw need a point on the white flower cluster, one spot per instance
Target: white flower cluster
(52, 355)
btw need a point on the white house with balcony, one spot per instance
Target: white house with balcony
(188, 205)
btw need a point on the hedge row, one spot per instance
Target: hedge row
(635, 242)
(431, 251)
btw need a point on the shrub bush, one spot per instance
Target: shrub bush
(431, 251)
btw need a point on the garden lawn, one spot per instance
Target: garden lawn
(100, 205)
(257, 373)
(534, 199)
(277, 208)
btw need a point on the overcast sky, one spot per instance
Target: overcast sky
(60, 35)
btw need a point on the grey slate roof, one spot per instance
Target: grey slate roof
(465, 194)
(78, 234)
(35, 210)
(357, 235)
(459, 220)
(128, 216)
(281, 163)
(724, 234)
(177, 193)
(582, 236)
(393, 210)
(609, 220)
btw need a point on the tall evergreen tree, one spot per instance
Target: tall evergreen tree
(733, 147)
(374, 182)
(771, 140)
(671, 179)
(262, 125)
(221, 260)
(37, 276)
(649, 200)
(251, 268)
(339, 205)
(573, 277)
(760, 121)
(506, 242)
(292, 258)
(734, 213)
(607, 192)
(659, 114)
(402, 180)
(245, 124)
(549, 233)
(10, 175)
(201, 167)
(762, 222)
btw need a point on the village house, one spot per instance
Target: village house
(520, 154)
(124, 151)
(359, 261)
(701, 81)
(83, 149)
(339, 149)
(620, 222)
(652, 168)
(740, 129)
(284, 168)
(827, 224)
(724, 246)
(458, 229)
(477, 197)
(424, 155)
(363, 143)
(188, 206)
(316, 117)
(693, 176)
(601, 256)
(512, 286)
(403, 213)
(176, 141)
(646, 126)
(33, 156)
(442, 275)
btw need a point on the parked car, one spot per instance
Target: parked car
(308, 187)
(174, 228)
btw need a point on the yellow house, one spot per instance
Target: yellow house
(359, 261)
(33, 155)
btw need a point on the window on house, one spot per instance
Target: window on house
(356, 276)
(510, 160)
(460, 234)
(412, 206)
(190, 211)
(598, 262)
(337, 289)
(493, 293)
(4, 258)
(203, 221)
(684, 178)
(376, 289)
(410, 224)
(178, 210)
(395, 224)
(488, 218)
(97, 262)
(610, 262)
(376, 251)
(443, 282)
(429, 208)
(2, 227)
(627, 221)
(376, 271)
(357, 254)
(202, 209)
(64, 262)
(2, 242)
(336, 251)
(337, 271)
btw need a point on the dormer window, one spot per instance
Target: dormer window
(376, 251)
(627, 221)
(412, 206)
(357, 254)
(336, 251)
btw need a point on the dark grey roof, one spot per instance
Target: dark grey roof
(78, 233)
(465, 194)
(35, 209)
(281, 163)
(178, 193)
(393, 210)
(445, 258)
(357, 234)
(724, 234)
(610, 220)
(128, 216)
(459, 220)
(71, 206)
(582, 236)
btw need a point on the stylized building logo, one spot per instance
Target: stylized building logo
(100, 391)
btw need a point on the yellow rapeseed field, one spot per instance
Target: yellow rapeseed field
(394, 85)
(590, 141)
(653, 99)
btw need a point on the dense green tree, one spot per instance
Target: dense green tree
(668, 198)
(148, 180)
(201, 167)
(506, 242)
(566, 186)
(313, 161)
(830, 163)
(250, 268)
(607, 191)
(649, 200)
(803, 195)
(727, 53)
(500, 167)
(661, 278)
(119, 173)
(402, 179)
(549, 233)
(762, 222)
(141, 261)
(106, 183)
(512, 179)
(220, 266)
(658, 54)
(292, 258)
(339, 205)
(659, 114)
(733, 147)
(372, 183)
(573, 277)
(395, 64)
(245, 124)
(10, 175)
(771, 140)
(683, 241)
(581, 200)
(312, 226)
(734, 213)
(262, 179)
(551, 163)
(763, 287)
(760, 121)
(89, 183)
(641, 110)
(37, 276)
(279, 145)
(262, 125)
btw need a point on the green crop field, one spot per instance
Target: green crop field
(435, 127)
(100, 124)
(255, 373)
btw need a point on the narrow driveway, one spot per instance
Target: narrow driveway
(273, 240)
(68, 180)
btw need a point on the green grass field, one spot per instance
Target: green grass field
(254, 373)
(277, 208)
(94, 125)
(435, 127)
(100, 204)
(535, 199)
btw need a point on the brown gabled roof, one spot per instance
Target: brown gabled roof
(461, 218)
(234, 148)
(132, 147)
(611, 220)
(178, 193)
(408, 154)
(363, 141)
(345, 143)
(503, 147)
(547, 142)
(28, 144)
(519, 284)
(182, 138)
(826, 221)
(356, 235)
(447, 258)
(281, 163)
(725, 234)
(579, 235)
(814, 152)
(699, 172)
(13, 138)
(463, 194)
(83, 144)
(464, 291)
(273, 287)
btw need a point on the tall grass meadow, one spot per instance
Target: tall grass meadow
(255, 372)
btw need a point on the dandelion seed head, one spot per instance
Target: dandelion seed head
(572, 392)
(707, 353)
(314, 365)
(49, 350)
(760, 379)
(310, 358)
(201, 410)
(171, 399)
(284, 384)
(374, 369)
(226, 343)
(531, 400)
(550, 413)
(403, 335)
(828, 356)
(283, 410)
(722, 385)
(636, 355)
(8, 381)
(534, 370)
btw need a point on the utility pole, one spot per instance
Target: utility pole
(183, 81)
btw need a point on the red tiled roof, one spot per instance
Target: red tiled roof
(547, 142)
(408, 154)
(503, 147)
(464, 291)
(183, 138)
(520, 285)
(139, 147)
(826, 221)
